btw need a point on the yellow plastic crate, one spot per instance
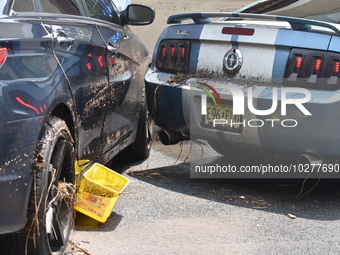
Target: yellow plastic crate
(98, 192)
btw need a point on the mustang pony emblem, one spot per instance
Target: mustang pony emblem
(232, 61)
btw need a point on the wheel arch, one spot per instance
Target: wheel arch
(63, 112)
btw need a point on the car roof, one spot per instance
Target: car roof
(325, 10)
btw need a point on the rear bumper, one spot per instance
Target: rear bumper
(14, 203)
(18, 142)
(180, 108)
(167, 106)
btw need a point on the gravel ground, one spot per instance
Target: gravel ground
(163, 211)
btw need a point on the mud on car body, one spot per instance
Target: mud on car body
(71, 89)
(246, 81)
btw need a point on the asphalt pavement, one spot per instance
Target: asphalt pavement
(164, 211)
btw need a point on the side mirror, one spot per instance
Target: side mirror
(137, 15)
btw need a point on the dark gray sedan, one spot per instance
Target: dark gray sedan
(71, 91)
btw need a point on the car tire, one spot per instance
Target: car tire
(50, 212)
(141, 147)
(51, 219)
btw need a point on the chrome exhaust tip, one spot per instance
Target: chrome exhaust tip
(308, 158)
(169, 137)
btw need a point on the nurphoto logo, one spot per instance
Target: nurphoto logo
(239, 102)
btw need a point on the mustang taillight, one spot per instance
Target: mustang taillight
(173, 56)
(313, 69)
(317, 64)
(163, 52)
(3, 56)
(335, 67)
(298, 63)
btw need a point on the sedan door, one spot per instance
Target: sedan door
(122, 105)
(82, 54)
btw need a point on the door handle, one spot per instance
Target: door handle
(64, 40)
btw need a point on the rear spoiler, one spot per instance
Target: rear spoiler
(295, 23)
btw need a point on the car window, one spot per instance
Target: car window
(50, 6)
(102, 9)
(61, 6)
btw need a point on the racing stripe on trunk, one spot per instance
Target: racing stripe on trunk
(234, 39)
(258, 49)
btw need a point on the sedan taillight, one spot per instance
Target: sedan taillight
(3, 56)
(173, 56)
(313, 69)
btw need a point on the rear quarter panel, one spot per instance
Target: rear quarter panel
(31, 85)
